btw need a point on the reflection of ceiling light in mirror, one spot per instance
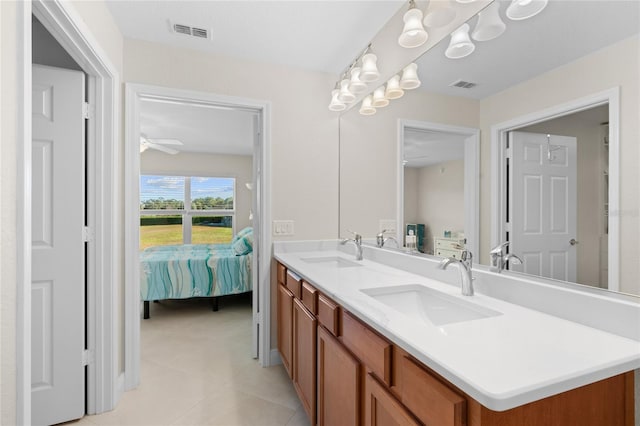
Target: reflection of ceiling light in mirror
(439, 14)
(394, 91)
(410, 78)
(379, 100)
(345, 95)
(369, 72)
(489, 25)
(413, 33)
(524, 9)
(335, 104)
(366, 108)
(460, 45)
(355, 84)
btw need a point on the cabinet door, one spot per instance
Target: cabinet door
(382, 409)
(304, 357)
(285, 326)
(338, 383)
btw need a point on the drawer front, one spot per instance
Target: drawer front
(294, 284)
(449, 244)
(329, 314)
(456, 254)
(432, 402)
(310, 297)
(373, 350)
(282, 274)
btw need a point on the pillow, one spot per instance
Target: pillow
(245, 231)
(244, 244)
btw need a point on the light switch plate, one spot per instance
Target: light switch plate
(389, 225)
(283, 227)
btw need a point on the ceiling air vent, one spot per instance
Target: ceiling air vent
(199, 32)
(190, 31)
(182, 29)
(462, 84)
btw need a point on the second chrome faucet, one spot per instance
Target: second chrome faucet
(357, 240)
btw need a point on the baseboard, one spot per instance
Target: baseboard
(274, 357)
(119, 391)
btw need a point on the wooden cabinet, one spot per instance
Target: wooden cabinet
(304, 357)
(285, 326)
(382, 409)
(338, 383)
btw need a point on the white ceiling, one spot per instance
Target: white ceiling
(327, 35)
(425, 148)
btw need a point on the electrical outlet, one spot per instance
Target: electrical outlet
(283, 227)
(389, 225)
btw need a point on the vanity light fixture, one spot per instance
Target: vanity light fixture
(356, 86)
(460, 44)
(524, 9)
(489, 25)
(413, 33)
(410, 78)
(439, 14)
(465, 1)
(369, 72)
(366, 108)
(393, 90)
(336, 105)
(345, 95)
(379, 101)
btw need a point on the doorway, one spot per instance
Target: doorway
(257, 189)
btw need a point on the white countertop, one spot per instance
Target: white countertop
(502, 361)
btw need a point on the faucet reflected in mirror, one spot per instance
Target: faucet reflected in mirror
(500, 259)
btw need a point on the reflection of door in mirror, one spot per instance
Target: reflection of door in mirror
(557, 192)
(439, 181)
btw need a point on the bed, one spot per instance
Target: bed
(196, 270)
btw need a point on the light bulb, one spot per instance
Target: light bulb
(524, 9)
(413, 33)
(366, 108)
(345, 95)
(369, 72)
(460, 44)
(393, 90)
(489, 25)
(379, 101)
(410, 78)
(335, 104)
(355, 84)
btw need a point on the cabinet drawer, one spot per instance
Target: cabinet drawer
(373, 350)
(432, 402)
(294, 284)
(329, 314)
(282, 274)
(456, 254)
(448, 244)
(310, 297)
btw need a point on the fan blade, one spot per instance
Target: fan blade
(162, 148)
(165, 141)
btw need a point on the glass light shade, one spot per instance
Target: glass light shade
(379, 100)
(439, 14)
(460, 44)
(335, 104)
(465, 1)
(489, 25)
(524, 9)
(366, 108)
(413, 33)
(345, 95)
(369, 71)
(394, 91)
(355, 84)
(410, 78)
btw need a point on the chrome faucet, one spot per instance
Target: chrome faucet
(499, 259)
(381, 240)
(357, 240)
(464, 265)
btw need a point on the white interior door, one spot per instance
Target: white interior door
(58, 257)
(542, 202)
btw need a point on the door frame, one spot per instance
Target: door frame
(104, 383)
(471, 177)
(133, 94)
(498, 144)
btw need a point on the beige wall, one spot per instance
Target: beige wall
(617, 65)
(439, 192)
(239, 167)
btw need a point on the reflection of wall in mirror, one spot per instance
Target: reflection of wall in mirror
(586, 128)
(614, 66)
(434, 195)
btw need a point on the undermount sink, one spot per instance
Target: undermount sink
(331, 261)
(430, 306)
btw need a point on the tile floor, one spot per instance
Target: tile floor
(196, 369)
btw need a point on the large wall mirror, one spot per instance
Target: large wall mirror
(555, 100)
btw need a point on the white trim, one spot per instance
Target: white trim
(498, 138)
(133, 94)
(68, 28)
(471, 177)
(274, 357)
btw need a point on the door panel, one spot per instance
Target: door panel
(58, 256)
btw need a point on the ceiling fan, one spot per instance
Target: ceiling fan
(158, 144)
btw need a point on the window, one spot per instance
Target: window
(186, 210)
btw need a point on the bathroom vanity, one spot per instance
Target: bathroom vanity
(368, 343)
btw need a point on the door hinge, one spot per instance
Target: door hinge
(87, 357)
(87, 234)
(87, 111)
(507, 152)
(507, 227)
